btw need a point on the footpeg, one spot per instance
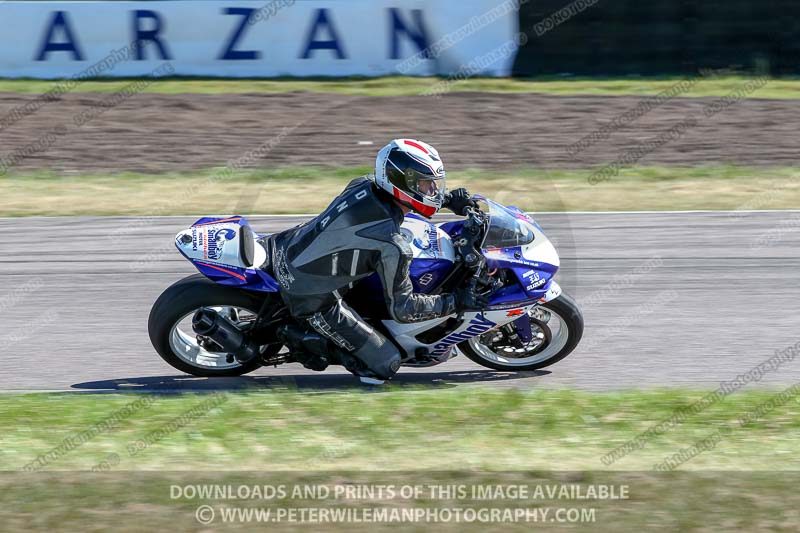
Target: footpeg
(371, 381)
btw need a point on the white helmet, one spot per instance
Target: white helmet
(413, 174)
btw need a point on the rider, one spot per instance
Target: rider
(316, 263)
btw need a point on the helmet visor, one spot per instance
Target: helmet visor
(430, 187)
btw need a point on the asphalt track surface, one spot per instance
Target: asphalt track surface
(688, 299)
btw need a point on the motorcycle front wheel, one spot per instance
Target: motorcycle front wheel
(556, 328)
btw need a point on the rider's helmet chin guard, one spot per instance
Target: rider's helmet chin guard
(412, 172)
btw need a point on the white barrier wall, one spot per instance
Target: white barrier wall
(258, 39)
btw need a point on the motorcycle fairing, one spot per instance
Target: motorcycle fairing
(225, 250)
(534, 264)
(474, 323)
(433, 252)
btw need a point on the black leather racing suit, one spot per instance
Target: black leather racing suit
(316, 263)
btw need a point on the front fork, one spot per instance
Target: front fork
(522, 325)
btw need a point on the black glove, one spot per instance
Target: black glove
(458, 201)
(468, 299)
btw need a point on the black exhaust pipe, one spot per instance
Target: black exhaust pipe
(208, 323)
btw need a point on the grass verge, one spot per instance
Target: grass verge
(145, 455)
(400, 85)
(407, 429)
(152, 501)
(308, 190)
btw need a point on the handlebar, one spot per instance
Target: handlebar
(469, 255)
(476, 219)
(469, 249)
(470, 238)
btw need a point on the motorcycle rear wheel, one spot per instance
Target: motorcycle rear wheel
(170, 329)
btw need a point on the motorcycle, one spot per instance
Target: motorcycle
(224, 320)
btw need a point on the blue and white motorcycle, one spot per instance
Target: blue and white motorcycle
(223, 321)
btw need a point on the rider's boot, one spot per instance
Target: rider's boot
(308, 342)
(376, 361)
(380, 360)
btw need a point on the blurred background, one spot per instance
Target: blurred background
(656, 143)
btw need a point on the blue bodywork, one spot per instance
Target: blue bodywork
(245, 278)
(426, 274)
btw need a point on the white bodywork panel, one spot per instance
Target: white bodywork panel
(541, 249)
(475, 323)
(217, 243)
(427, 240)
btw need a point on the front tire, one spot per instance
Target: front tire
(559, 343)
(182, 299)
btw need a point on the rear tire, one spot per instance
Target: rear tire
(184, 297)
(566, 308)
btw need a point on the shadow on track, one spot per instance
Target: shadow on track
(319, 382)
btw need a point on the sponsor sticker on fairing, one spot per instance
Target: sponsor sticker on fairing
(535, 280)
(477, 326)
(431, 240)
(215, 242)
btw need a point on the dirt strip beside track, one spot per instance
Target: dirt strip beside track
(156, 132)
